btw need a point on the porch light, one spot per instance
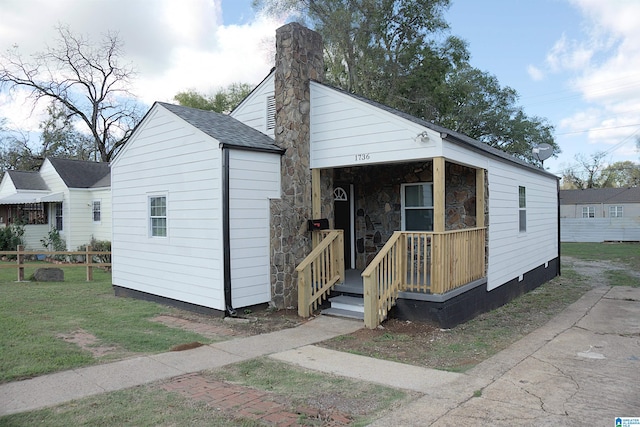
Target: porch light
(422, 137)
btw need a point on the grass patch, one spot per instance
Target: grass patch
(622, 278)
(302, 387)
(626, 253)
(33, 315)
(139, 406)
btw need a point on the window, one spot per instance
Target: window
(96, 211)
(522, 204)
(271, 112)
(588, 212)
(158, 216)
(29, 213)
(615, 211)
(417, 207)
(58, 210)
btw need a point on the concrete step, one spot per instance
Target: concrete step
(338, 312)
(345, 302)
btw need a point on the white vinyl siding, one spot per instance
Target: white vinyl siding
(512, 253)
(168, 156)
(254, 178)
(254, 109)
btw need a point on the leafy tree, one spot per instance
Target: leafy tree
(399, 53)
(222, 101)
(87, 79)
(621, 174)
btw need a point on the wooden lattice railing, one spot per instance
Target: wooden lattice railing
(319, 272)
(425, 262)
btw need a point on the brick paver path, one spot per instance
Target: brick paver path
(245, 402)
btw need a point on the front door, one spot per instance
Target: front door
(344, 218)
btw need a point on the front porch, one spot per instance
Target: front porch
(420, 266)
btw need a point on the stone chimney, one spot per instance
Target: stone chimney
(299, 58)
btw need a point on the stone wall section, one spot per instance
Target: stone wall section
(298, 59)
(378, 210)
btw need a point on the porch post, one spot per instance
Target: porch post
(480, 198)
(316, 201)
(438, 195)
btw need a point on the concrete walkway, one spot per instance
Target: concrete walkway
(582, 368)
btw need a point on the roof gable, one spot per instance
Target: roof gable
(24, 180)
(229, 131)
(81, 173)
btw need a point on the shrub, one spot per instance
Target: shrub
(11, 237)
(98, 245)
(54, 242)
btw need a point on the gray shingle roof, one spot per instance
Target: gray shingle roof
(600, 195)
(226, 129)
(27, 180)
(82, 174)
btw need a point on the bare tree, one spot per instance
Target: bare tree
(587, 172)
(88, 80)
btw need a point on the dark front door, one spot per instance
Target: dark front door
(342, 206)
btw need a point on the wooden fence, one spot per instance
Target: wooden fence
(87, 255)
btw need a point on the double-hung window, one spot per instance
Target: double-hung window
(615, 211)
(158, 216)
(58, 214)
(417, 206)
(522, 209)
(96, 211)
(588, 212)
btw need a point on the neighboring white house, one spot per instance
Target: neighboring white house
(600, 214)
(71, 196)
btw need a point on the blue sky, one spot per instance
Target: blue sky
(574, 62)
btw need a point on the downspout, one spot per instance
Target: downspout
(226, 238)
(559, 240)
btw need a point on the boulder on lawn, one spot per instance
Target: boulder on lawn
(49, 274)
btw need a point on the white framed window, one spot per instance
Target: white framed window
(615, 211)
(158, 216)
(96, 211)
(58, 214)
(522, 209)
(271, 112)
(417, 206)
(588, 212)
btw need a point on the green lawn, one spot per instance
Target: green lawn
(33, 316)
(625, 253)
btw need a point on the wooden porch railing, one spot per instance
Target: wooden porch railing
(320, 271)
(421, 262)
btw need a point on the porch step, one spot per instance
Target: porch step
(345, 302)
(346, 306)
(338, 312)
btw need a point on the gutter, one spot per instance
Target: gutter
(226, 238)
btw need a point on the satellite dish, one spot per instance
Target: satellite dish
(542, 152)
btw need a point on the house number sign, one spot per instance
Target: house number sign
(362, 157)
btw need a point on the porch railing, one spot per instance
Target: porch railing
(421, 262)
(319, 272)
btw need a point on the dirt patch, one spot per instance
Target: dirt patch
(252, 323)
(87, 341)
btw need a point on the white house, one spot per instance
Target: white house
(478, 227)
(71, 196)
(600, 214)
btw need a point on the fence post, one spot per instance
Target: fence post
(19, 258)
(89, 261)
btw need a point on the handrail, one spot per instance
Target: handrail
(421, 262)
(320, 271)
(382, 280)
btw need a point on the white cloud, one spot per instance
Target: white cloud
(535, 73)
